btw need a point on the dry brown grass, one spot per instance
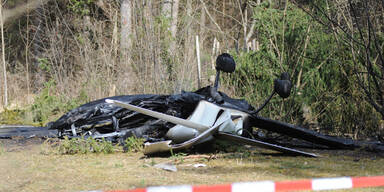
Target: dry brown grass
(27, 167)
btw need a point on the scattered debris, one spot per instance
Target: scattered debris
(199, 165)
(180, 121)
(166, 166)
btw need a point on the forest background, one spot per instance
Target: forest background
(59, 54)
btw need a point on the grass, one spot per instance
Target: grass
(133, 144)
(83, 146)
(27, 167)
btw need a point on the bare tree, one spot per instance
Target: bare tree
(188, 43)
(3, 56)
(170, 11)
(39, 28)
(175, 12)
(126, 26)
(126, 12)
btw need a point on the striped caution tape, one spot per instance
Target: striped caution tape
(270, 186)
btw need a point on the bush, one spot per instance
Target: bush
(324, 95)
(47, 106)
(12, 117)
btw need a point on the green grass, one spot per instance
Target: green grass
(133, 144)
(84, 146)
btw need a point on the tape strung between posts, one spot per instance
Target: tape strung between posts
(317, 184)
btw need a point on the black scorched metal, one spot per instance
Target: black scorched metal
(114, 122)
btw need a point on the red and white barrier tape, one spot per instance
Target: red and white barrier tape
(270, 186)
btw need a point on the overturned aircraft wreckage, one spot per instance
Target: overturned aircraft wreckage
(180, 121)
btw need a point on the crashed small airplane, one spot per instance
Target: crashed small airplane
(180, 121)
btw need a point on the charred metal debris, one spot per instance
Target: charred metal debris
(180, 121)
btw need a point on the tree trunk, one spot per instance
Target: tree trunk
(126, 45)
(202, 27)
(175, 12)
(170, 12)
(188, 49)
(3, 57)
(126, 27)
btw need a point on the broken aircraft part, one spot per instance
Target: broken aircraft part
(183, 120)
(207, 120)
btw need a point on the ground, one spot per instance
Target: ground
(30, 165)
